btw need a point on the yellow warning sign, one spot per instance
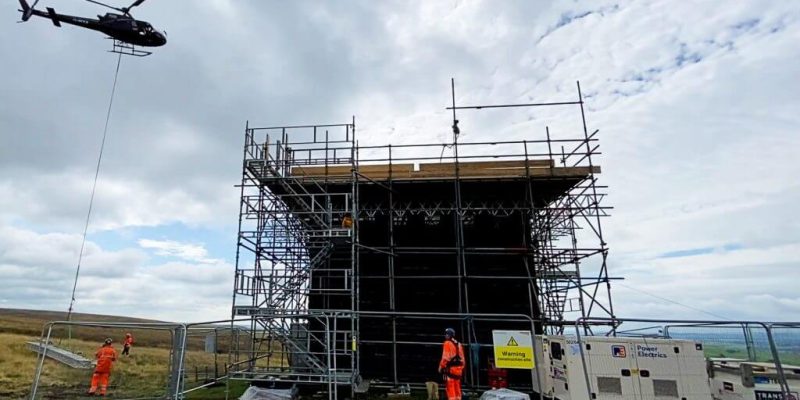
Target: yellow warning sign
(513, 349)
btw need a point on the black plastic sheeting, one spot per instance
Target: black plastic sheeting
(425, 276)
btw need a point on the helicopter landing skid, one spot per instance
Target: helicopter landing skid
(128, 49)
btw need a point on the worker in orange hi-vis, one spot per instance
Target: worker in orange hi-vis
(105, 356)
(126, 344)
(347, 221)
(451, 366)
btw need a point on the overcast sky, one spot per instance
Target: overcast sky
(696, 102)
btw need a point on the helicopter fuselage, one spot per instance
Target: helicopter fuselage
(121, 27)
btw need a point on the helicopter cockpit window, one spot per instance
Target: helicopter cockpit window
(145, 29)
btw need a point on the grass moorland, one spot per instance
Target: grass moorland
(144, 373)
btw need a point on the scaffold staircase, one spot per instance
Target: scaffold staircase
(296, 281)
(292, 226)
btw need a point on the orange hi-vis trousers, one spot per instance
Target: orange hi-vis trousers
(453, 388)
(99, 378)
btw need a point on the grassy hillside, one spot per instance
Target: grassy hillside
(144, 373)
(31, 322)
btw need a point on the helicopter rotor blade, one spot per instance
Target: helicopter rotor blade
(127, 9)
(106, 5)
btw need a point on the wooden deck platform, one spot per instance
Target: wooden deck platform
(466, 170)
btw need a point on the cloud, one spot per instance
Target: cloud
(696, 106)
(738, 283)
(38, 271)
(184, 251)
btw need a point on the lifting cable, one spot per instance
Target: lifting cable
(724, 318)
(91, 198)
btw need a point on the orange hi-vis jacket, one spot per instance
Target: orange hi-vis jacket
(128, 341)
(449, 363)
(105, 356)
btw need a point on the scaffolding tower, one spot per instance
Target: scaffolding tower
(352, 259)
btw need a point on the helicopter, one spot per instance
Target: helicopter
(122, 27)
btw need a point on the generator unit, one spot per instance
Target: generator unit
(620, 368)
(736, 379)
